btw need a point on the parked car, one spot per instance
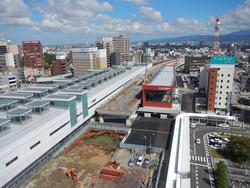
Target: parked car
(223, 125)
(197, 141)
(193, 125)
(131, 162)
(146, 161)
(226, 139)
(140, 160)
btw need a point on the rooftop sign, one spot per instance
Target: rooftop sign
(226, 60)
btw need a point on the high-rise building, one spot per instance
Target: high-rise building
(88, 58)
(101, 59)
(33, 58)
(106, 43)
(59, 66)
(220, 83)
(6, 47)
(7, 62)
(115, 58)
(121, 45)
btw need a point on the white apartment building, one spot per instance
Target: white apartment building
(220, 83)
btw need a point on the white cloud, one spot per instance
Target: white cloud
(237, 19)
(151, 13)
(14, 12)
(138, 2)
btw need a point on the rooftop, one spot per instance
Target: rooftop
(18, 112)
(165, 77)
(18, 95)
(38, 103)
(59, 97)
(7, 102)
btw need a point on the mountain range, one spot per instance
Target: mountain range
(238, 36)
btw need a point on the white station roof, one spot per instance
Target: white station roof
(165, 77)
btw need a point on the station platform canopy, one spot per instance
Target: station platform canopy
(50, 87)
(37, 92)
(7, 104)
(59, 97)
(73, 91)
(21, 97)
(39, 106)
(62, 84)
(4, 124)
(19, 114)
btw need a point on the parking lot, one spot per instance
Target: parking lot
(209, 138)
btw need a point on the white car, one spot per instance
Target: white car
(140, 160)
(193, 125)
(224, 125)
(226, 139)
(197, 141)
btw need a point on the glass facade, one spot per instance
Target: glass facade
(158, 96)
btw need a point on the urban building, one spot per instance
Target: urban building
(101, 59)
(83, 60)
(7, 47)
(115, 58)
(220, 83)
(33, 58)
(8, 82)
(138, 56)
(245, 82)
(106, 43)
(60, 65)
(7, 62)
(158, 92)
(193, 64)
(121, 45)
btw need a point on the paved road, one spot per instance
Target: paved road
(188, 102)
(201, 172)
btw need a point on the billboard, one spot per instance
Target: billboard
(226, 60)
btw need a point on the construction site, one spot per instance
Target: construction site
(93, 160)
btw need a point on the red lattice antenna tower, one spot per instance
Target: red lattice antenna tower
(217, 36)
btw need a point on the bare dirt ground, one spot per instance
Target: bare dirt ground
(88, 160)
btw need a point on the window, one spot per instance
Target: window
(219, 103)
(220, 86)
(11, 161)
(228, 81)
(228, 75)
(222, 75)
(227, 87)
(219, 97)
(221, 81)
(34, 145)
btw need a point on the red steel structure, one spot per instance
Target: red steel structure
(217, 26)
(158, 92)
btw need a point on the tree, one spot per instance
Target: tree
(48, 59)
(221, 179)
(239, 148)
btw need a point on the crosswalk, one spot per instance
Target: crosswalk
(198, 158)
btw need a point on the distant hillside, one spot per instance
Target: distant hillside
(238, 36)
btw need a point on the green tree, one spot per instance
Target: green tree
(221, 179)
(48, 59)
(239, 148)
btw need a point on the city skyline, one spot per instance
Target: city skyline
(63, 22)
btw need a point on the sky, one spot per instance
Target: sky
(81, 21)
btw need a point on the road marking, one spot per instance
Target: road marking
(198, 164)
